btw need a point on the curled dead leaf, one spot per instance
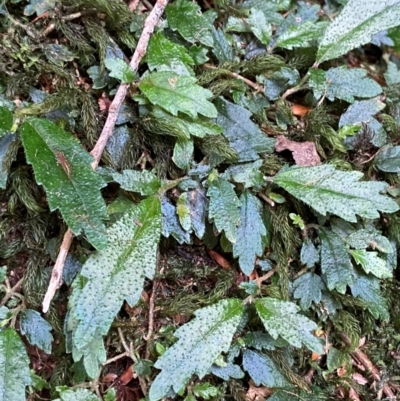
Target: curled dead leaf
(304, 153)
(353, 396)
(258, 393)
(360, 379)
(299, 110)
(219, 259)
(127, 376)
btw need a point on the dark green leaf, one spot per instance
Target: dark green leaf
(251, 229)
(58, 54)
(337, 359)
(309, 255)
(6, 119)
(308, 288)
(392, 74)
(62, 166)
(388, 159)
(14, 366)
(224, 207)
(143, 367)
(222, 48)
(3, 273)
(36, 329)
(371, 263)
(144, 182)
(176, 93)
(335, 261)
(120, 69)
(362, 239)
(100, 78)
(199, 344)
(6, 149)
(260, 27)
(116, 145)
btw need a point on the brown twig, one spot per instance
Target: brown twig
(151, 319)
(140, 51)
(266, 276)
(296, 88)
(266, 199)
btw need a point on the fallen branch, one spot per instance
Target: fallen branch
(106, 133)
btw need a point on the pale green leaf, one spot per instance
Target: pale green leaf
(361, 111)
(120, 69)
(36, 329)
(100, 78)
(79, 394)
(183, 211)
(362, 239)
(170, 222)
(183, 153)
(301, 35)
(260, 27)
(251, 229)
(130, 256)
(222, 48)
(281, 318)
(224, 208)
(248, 174)
(57, 54)
(335, 262)
(165, 55)
(185, 17)
(355, 25)
(392, 74)
(176, 93)
(205, 390)
(308, 289)
(199, 344)
(388, 159)
(309, 254)
(317, 81)
(263, 370)
(367, 288)
(14, 366)
(117, 144)
(144, 182)
(197, 203)
(230, 370)
(72, 186)
(338, 192)
(39, 6)
(371, 263)
(346, 83)
(243, 135)
(337, 358)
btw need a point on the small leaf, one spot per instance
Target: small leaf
(144, 182)
(335, 261)
(205, 390)
(3, 273)
(339, 192)
(317, 81)
(309, 255)
(116, 145)
(248, 174)
(6, 150)
(170, 222)
(280, 318)
(308, 288)
(185, 17)
(120, 69)
(197, 203)
(388, 159)
(100, 78)
(6, 119)
(58, 54)
(39, 7)
(263, 370)
(79, 394)
(371, 263)
(14, 366)
(230, 370)
(222, 48)
(183, 211)
(224, 207)
(337, 359)
(183, 153)
(355, 25)
(392, 74)
(260, 27)
(199, 344)
(249, 243)
(76, 194)
(362, 239)
(176, 93)
(36, 329)
(243, 135)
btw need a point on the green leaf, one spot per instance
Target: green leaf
(335, 261)
(170, 222)
(337, 359)
(197, 203)
(100, 78)
(248, 243)
(205, 390)
(371, 263)
(7, 149)
(36, 329)
(111, 395)
(308, 288)
(37, 382)
(120, 69)
(39, 7)
(58, 54)
(243, 135)
(224, 207)
(355, 25)
(309, 255)
(248, 174)
(345, 83)
(362, 239)
(263, 370)
(388, 159)
(367, 288)
(280, 318)
(80, 394)
(230, 370)
(74, 187)
(222, 48)
(6, 119)
(392, 74)
(165, 55)
(183, 211)
(199, 344)
(185, 17)
(260, 27)
(14, 366)
(338, 192)
(144, 182)
(183, 153)
(130, 256)
(3, 273)
(176, 93)
(317, 81)
(301, 35)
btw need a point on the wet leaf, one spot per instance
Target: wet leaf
(144, 182)
(304, 153)
(308, 289)
(371, 263)
(199, 344)
(388, 159)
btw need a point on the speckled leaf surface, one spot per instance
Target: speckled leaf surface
(263, 370)
(14, 366)
(355, 25)
(371, 263)
(281, 318)
(309, 255)
(176, 93)
(362, 239)
(361, 111)
(144, 182)
(170, 222)
(243, 135)
(36, 329)
(199, 344)
(338, 192)
(6, 119)
(388, 159)
(222, 48)
(197, 203)
(117, 273)
(74, 189)
(224, 207)
(183, 153)
(335, 261)
(260, 26)
(250, 231)
(308, 289)
(80, 394)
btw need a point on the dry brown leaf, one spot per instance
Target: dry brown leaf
(299, 110)
(304, 153)
(258, 393)
(353, 396)
(109, 378)
(219, 259)
(341, 371)
(360, 379)
(127, 376)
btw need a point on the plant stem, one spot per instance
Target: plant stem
(296, 88)
(11, 292)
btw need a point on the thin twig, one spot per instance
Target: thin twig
(151, 318)
(11, 292)
(265, 197)
(140, 51)
(296, 88)
(266, 276)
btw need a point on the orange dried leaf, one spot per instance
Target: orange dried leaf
(127, 376)
(219, 259)
(299, 110)
(258, 393)
(304, 153)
